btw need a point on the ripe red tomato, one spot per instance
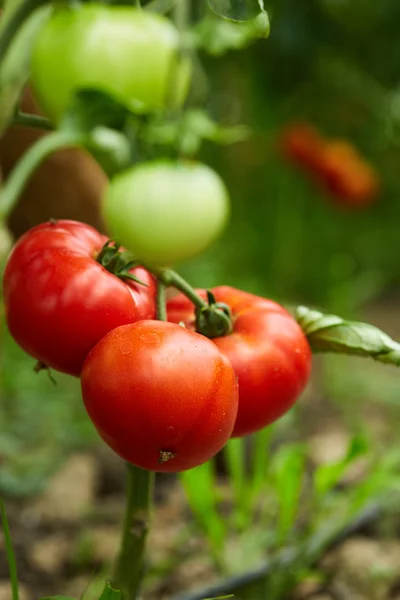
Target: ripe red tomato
(346, 175)
(59, 302)
(162, 397)
(302, 144)
(268, 351)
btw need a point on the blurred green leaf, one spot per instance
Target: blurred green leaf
(235, 453)
(109, 593)
(218, 36)
(12, 566)
(288, 471)
(200, 485)
(327, 476)
(57, 598)
(260, 458)
(237, 10)
(14, 71)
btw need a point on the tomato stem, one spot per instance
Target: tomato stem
(172, 279)
(128, 570)
(23, 119)
(30, 161)
(161, 302)
(213, 319)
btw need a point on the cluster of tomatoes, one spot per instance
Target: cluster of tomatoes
(162, 395)
(334, 164)
(166, 392)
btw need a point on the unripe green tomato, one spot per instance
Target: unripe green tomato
(165, 211)
(126, 52)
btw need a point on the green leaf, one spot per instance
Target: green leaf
(330, 333)
(221, 597)
(237, 10)
(327, 476)
(109, 593)
(235, 453)
(190, 129)
(288, 471)
(217, 36)
(160, 6)
(200, 487)
(12, 566)
(260, 459)
(14, 71)
(57, 598)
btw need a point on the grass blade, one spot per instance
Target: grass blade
(12, 566)
(200, 485)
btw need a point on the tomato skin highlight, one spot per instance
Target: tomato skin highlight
(59, 302)
(268, 351)
(165, 211)
(128, 53)
(155, 387)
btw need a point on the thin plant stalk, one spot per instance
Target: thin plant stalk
(129, 567)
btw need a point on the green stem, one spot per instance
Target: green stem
(213, 319)
(181, 14)
(161, 302)
(15, 22)
(22, 119)
(129, 567)
(29, 162)
(172, 279)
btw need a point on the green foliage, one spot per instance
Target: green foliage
(237, 10)
(109, 593)
(329, 333)
(32, 442)
(218, 36)
(14, 64)
(9, 552)
(288, 512)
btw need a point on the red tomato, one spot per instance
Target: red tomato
(162, 397)
(302, 144)
(60, 302)
(348, 176)
(268, 351)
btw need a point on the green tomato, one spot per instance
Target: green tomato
(165, 211)
(126, 52)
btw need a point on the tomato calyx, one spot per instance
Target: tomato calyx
(119, 263)
(214, 319)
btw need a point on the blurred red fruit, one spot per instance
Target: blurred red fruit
(335, 165)
(302, 144)
(348, 176)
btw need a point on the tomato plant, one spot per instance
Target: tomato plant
(268, 351)
(164, 398)
(129, 53)
(59, 301)
(164, 211)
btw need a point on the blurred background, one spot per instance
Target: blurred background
(333, 65)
